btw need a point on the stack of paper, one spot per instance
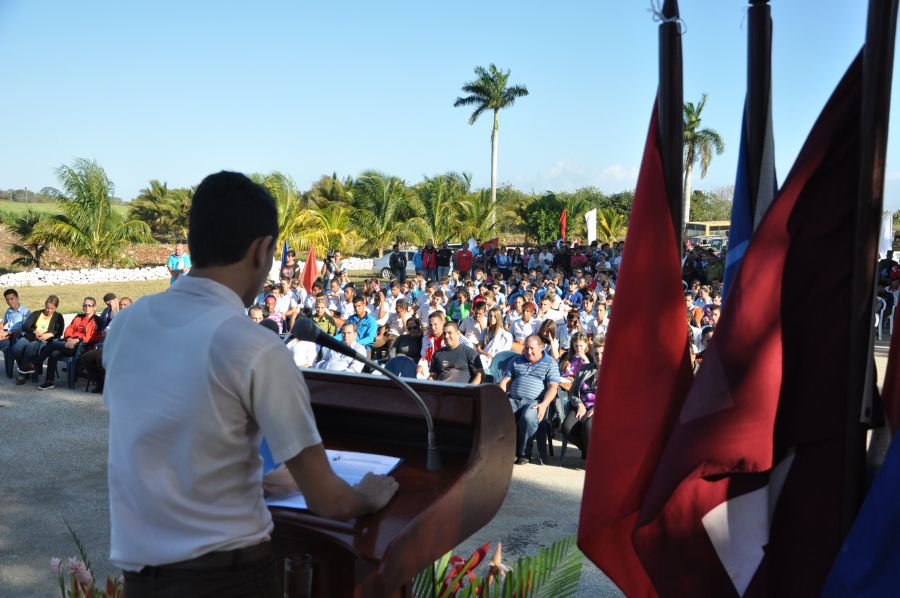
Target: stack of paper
(349, 466)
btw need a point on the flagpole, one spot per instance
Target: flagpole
(671, 113)
(878, 61)
(759, 80)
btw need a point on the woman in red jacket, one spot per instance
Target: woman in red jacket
(81, 334)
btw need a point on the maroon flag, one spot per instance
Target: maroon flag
(644, 379)
(310, 270)
(562, 225)
(746, 499)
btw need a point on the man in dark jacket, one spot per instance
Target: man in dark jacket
(397, 264)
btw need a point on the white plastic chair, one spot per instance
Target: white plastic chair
(879, 316)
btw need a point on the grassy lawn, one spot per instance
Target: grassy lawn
(15, 208)
(71, 295)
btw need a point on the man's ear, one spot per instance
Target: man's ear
(263, 248)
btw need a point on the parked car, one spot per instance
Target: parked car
(382, 265)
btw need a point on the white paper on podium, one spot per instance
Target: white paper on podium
(349, 466)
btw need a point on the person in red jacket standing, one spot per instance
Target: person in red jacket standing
(429, 261)
(83, 332)
(464, 260)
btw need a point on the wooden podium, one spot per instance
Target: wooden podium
(433, 511)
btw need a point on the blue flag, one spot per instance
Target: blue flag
(284, 252)
(743, 220)
(869, 561)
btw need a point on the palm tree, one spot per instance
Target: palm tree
(288, 201)
(477, 217)
(489, 92)
(88, 226)
(698, 145)
(436, 202)
(380, 205)
(329, 189)
(330, 226)
(32, 245)
(610, 225)
(164, 210)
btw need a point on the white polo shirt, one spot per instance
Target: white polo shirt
(190, 382)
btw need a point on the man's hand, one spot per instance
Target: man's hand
(71, 343)
(3, 335)
(541, 410)
(377, 490)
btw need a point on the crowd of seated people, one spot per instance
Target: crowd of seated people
(31, 338)
(494, 301)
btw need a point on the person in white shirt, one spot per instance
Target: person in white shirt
(526, 325)
(396, 323)
(286, 304)
(187, 515)
(338, 362)
(545, 259)
(547, 312)
(494, 339)
(515, 312)
(474, 324)
(436, 303)
(304, 352)
(600, 322)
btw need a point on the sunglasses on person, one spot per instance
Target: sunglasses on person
(87, 305)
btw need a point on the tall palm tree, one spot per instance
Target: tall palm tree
(490, 92)
(88, 226)
(32, 245)
(380, 206)
(698, 145)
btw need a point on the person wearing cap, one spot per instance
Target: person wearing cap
(179, 263)
(109, 312)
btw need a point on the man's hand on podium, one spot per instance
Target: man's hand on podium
(377, 489)
(328, 495)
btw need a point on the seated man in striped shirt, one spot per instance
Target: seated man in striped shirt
(531, 381)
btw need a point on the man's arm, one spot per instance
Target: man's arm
(549, 397)
(330, 496)
(504, 383)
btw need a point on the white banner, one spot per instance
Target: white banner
(591, 221)
(886, 239)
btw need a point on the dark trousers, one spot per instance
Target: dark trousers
(577, 432)
(400, 275)
(256, 579)
(28, 352)
(93, 365)
(53, 352)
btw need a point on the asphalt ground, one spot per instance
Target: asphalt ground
(53, 470)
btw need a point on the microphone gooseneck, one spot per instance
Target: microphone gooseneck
(306, 330)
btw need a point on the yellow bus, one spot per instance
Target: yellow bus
(713, 228)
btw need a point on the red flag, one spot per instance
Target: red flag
(310, 270)
(642, 383)
(890, 394)
(562, 225)
(491, 243)
(746, 499)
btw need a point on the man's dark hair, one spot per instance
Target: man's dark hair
(358, 299)
(9, 292)
(228, 212)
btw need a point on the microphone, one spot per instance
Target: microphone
(306, 330)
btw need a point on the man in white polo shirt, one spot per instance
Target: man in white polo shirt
(192, 384)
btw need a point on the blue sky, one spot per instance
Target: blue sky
(176, 90)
